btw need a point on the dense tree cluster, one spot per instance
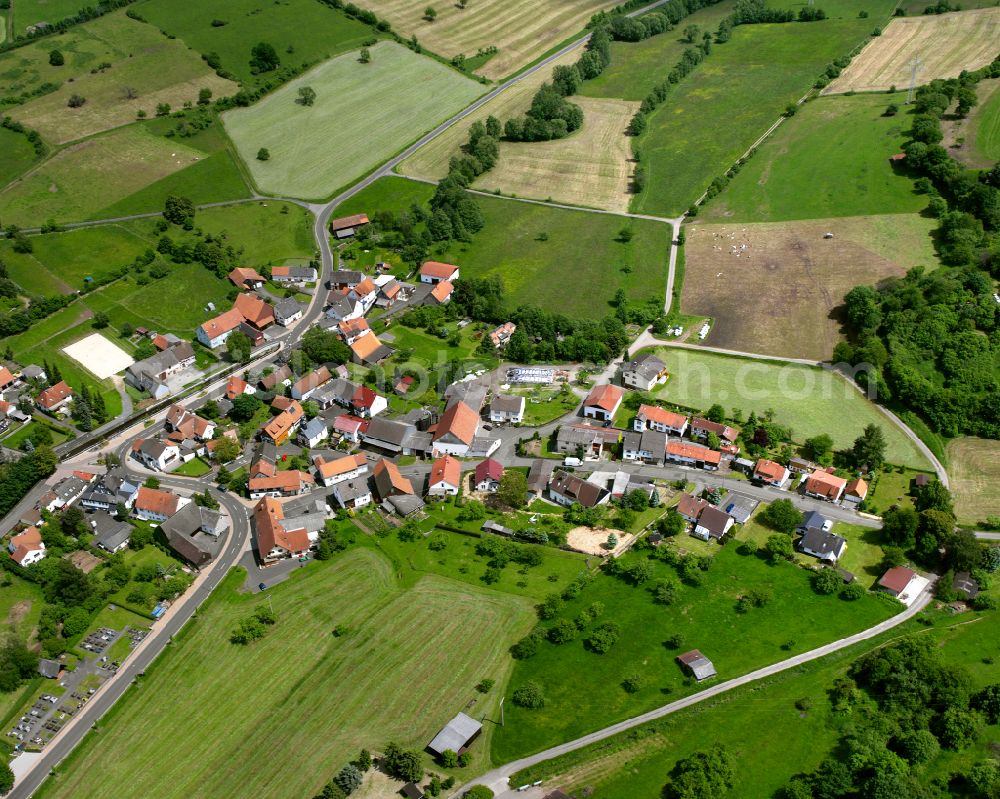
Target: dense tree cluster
(906, 705)
(932, 340)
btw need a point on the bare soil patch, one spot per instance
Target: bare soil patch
(945, 44)
(592, 540)
(84, 561)
(593, 167)
(777, 288)
(18, 612)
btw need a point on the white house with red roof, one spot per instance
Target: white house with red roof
(435, 272)
(653, 417)
(445, 478)
(27, 547)
(488, 475)
(54, 397)
(603, 402)
(366, 403)
(823, 485)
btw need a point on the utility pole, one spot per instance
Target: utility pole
(501, 710)
(914, 66)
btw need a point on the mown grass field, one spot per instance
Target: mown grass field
(807, 399)
(312, 30)
(80, 180)
(409, 662)
(157, 70)
(947, 44)
(769, 737)
(18, 155)
(704, 616)
(974, 471)
(431, 160)
(799, 278)
(316, 150)
(637, 67)
(270, 232)
(592, 167)
(986, 119)
(830, 159)
(30, 12)
(520, 30)
(581, 250)
(729, 100)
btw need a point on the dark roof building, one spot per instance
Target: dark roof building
(965, 585)
(701, 667)
(456, 735)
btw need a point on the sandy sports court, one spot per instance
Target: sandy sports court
(592, 167)
(99, 356)
(945, 44)
(591, 540)
(776, 288)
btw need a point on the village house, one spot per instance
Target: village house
(814, 521)
(471, 392)
(7, 379)
(655, 418)
(456, 736)
(435, 272)
(349, 427)
(368, 350)
(339, 306)
(365, 293)
(151, 374)
(390, 292)
(110, 534)
(690, 507)
(567, 489)
(350, 330)
(585, 441)
(293, 274)
(246, 278)
(26, 548)
(770, 473)
(649, 446)
(693, 455)
(314, 432)
(445, 477)
(277, 377)
(644, 372)
(350, 467)
(54, 397)
(347, 226)
(352, 494)
(157, 505)
(396, 437)
(456, 430)
(488, 475)
(289, 483)
(305, 386)
(801, 466)
(287, 311)
(179, 419)
(65, 492)
(712, 523)
(214, 332)
(507, 408)
(441, 293)
(108, 492)
(603, 402)
(274, 541)
(700, 428)
(255, 311)
(902, 583)
(284, 424)
(823, 545)
(366, 403)
(539, 476)
(155, 454)
(501, 336)
(388, 481)
(823, 485)
(344, 279)
(237, 387)
(855, 492)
